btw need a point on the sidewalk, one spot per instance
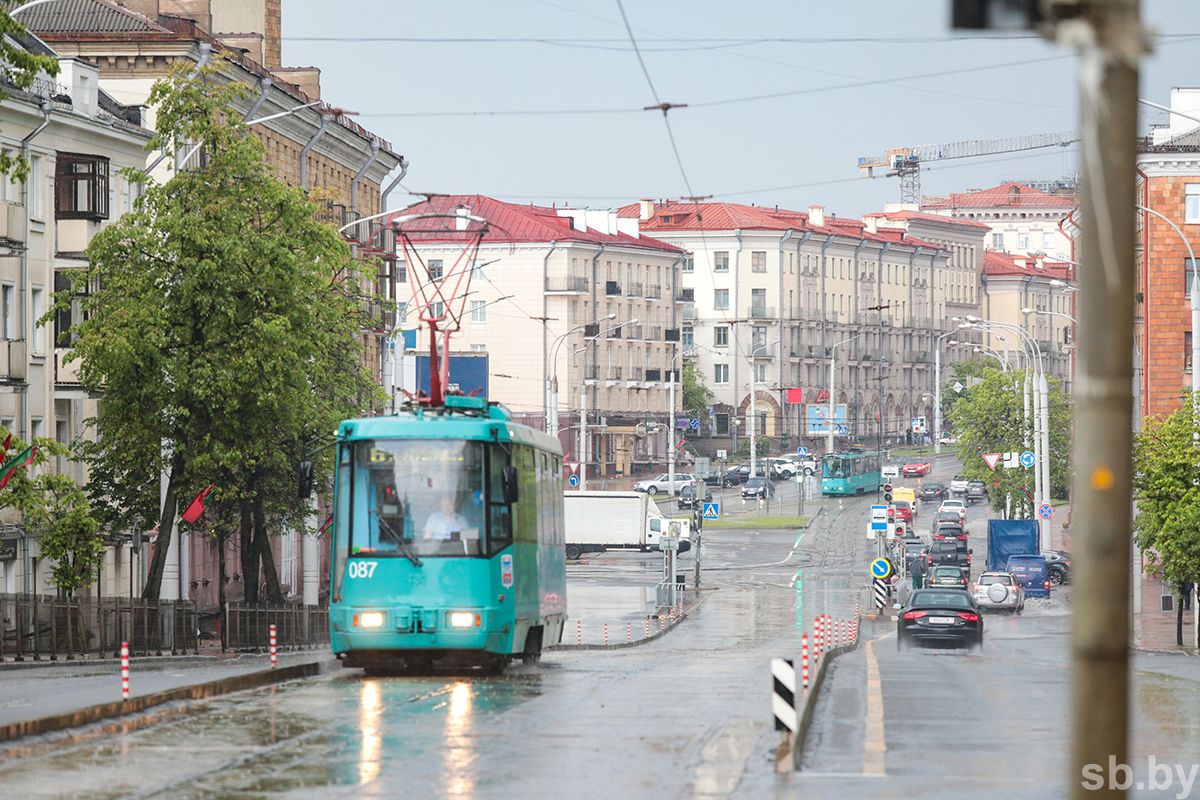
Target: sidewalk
(58, 688)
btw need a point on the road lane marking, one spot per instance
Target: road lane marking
(874, 744)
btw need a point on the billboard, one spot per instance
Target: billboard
(817, 420)
(468, 370)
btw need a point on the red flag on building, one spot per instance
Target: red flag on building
(22, 459)
(196, 507)
(795, 395)
(4, 451)
(325, 525)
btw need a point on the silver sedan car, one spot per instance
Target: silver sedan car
(999, 591)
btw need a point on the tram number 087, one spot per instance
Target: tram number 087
(361, 569)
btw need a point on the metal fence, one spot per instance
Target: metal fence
(36, 627)
(296, 626)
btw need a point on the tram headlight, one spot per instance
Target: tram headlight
(461, 619)
(370, 619)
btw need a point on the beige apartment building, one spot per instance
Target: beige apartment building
(573, 298)
(78, 140)
(1021, 218)
(1013, 284)
(773, 294)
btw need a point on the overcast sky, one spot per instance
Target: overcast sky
(792, 151)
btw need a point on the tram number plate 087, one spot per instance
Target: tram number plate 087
(361, 569)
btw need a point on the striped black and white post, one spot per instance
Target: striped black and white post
(881, 593)
(783, 698)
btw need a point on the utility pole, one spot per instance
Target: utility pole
(879, 309)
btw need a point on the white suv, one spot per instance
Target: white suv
(790, 466)
(662, 483)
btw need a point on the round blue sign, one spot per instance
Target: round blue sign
(881, 568)
(1045, 511)
(573, 481)
(1027, 459)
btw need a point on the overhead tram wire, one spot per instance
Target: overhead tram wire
(702, 43)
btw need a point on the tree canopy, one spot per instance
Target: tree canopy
(21, 69)
(220, 328)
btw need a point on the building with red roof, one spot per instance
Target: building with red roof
(1015, 284)
(1021, 218)
(771, 291)
(576, 299)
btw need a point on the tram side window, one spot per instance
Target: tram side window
(499, 516)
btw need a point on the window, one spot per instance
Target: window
(478, 311)
(758, 339)
(721, 336)
(1189, 276)
(1187, 351)
(437, 310)
(1048, 241)
(688, 337)
(758, 302)
(8, 311)
(689, 264)
(479, 348)
(81, 187)
(37, 299)
(721, 299)
(1023, 242)
(401, 271)
(721, 424)
(721, 261)
(1191, 208)
(758, 261)
(720, 373)
(36, 204)
(760, 373)
(435, 269)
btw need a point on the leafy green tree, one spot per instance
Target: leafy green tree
(222, 333)
(21, 69)
(1166, 486)
(696, 394)
(989, 417)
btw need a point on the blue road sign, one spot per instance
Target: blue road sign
(802, 452)
(1045, 511)
(712, 511)
(1028, 459)
(881, 568)
(573, 481)
(843, 430)
(694, 424)
(879, 518)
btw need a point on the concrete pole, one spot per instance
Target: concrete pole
(937, 396)
(750, 414)
(583, 437)
(310, 553)
(671, 431)
(1027, 427)
(169, 588)
(1039, 463)
(832, 366)
(1112, 40)
(1044, 389)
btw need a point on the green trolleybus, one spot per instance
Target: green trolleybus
(850, 472)
(448, 544)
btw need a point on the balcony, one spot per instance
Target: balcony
(73, 235)
(614, 333)
(633, 289)
(671, 335)
(612, 289)
(762, 312)
(567, 284)
(653, 292)
(12, 222)
(653, 375)
(378, 315)
(685, 296)
(591, 373)
(689, 313)
(633, 331)
(13, 368)
(654, 333)
(66, 373)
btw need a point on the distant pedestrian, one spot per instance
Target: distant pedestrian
(918, 572)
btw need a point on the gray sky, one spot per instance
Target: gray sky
(792, 151)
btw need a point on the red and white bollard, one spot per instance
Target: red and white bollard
(647, 627)
(660, 623)
(606, 634)
(804, 660)
(628, 632)
(274, 652)
(579, 629)
(817, 639)
(124, 670)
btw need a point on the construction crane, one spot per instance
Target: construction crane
(905, 162)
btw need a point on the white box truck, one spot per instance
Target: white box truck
(599, 521)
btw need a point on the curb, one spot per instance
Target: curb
(153, 662)
(810, 701)
(201, 691)
(644, 640)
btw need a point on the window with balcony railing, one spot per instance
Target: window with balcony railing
(81, 187)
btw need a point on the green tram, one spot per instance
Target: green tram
(448, 541)
(850, 472)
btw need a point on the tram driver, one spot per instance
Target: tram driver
(443, 523)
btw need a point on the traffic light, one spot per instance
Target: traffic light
(891, 514)
(887, 493)
(899, 530)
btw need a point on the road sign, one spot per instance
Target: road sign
(880, 590)
(842, 429)
(573, 481)
(783, 699)
(572, 465)
(1045, 511)
(1028, 459)
(694, 424)
(957, 387)
(802, 452)
(881, 568)
(722, 454)
(991, 459)
(1012, 460)
(702, 466)
(712, 511)
(918, 424)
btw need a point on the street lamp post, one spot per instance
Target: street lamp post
(583, 425)
(937, 388)
(551, 389)
(832, 373)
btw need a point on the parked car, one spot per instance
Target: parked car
(791, 465)
(725, 478)
(958, 485)
(662, 483)
(904, 510)
(758, 487)
(1059, 564)
(1032, 572)
(948, 576)
(976, 491)
(954, 507)
(947, 440)
(932, 491)
(915, 470)
(694, 494)
(940, 616)
(1000, 591)
(950, 553)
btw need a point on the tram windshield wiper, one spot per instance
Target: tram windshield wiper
(405, 548)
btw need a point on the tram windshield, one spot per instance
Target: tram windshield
(418, 498)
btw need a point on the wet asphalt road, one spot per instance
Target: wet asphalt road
(684, 716)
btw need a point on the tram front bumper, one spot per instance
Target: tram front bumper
(419, 629)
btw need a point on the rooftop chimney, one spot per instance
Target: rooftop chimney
(645, 209)
(460, 218)
(871, 224)
(816, 215)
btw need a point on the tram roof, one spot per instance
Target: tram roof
(494, 425)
